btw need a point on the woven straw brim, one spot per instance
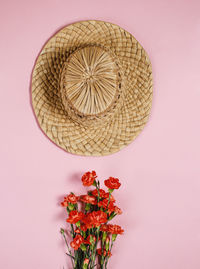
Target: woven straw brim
(127, 122)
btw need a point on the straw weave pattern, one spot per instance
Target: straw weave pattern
(89, 129)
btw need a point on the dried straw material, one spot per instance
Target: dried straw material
(92, 88)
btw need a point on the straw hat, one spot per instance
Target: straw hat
(92, 88)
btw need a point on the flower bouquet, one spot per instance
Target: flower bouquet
(88, 216)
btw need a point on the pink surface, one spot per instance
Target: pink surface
(160, 170)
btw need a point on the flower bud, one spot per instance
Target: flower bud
(92, 239)
(104, 236)
(85, 263)
(114, 236)
(62, 231)
(107, 240)
(112, 215)
(83, 247)
(77, 231)
(94, 183)
(64, 204)
(70, 206)
(107, 243)
(87, 207)
(78, 224)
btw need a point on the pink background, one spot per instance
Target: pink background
(159, 171)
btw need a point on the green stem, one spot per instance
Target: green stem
(76, 259)
(102, 257)
(102, 261)
(73, 234)
(92, 258)
(108, 205)
(106, 262)
(70, 253)
(107, 256)
(109, 199)
(98, 197)
(94, 251)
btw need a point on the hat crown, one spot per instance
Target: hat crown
(90, 80)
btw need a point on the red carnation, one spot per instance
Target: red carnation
(112, 183)
(88, 178)
(78, 240)
(71, 198)
(88, 199)
(104, 228)
(102, 193)
(117, 210)
(115, 229)
(89, 215)
(77, 231)
(75, 216)
(83, 227)
(104, 203)
(112, 199)
(95, 218)
(64, 204)
(91, 239)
